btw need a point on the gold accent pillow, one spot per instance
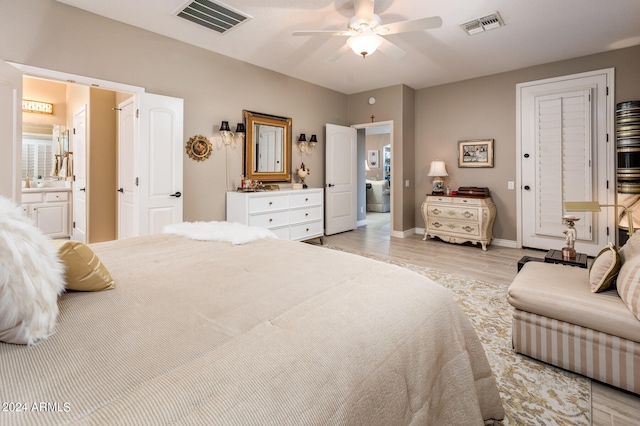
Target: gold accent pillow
(604, 269)
(83, 269)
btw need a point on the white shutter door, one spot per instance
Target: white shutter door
(563, 151)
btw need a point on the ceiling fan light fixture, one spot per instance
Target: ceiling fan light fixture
(364, 44)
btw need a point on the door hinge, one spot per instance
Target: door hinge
(137, 181)
(607, 137)
(607, 90)
(74, 130)
(607, 231)
(73, 225)
(607, 184)
(138, 113)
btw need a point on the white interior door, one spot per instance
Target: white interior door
(340, 179)
(159, 162)
(11, 132)
(79, 185)
(565, 156)
(126, 178)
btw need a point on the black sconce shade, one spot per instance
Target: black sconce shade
(313, 139)
(240, 128)
(224, 127)
(303, 138)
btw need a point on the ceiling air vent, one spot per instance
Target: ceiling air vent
(485, 23)
(213, 15)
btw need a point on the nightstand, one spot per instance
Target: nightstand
(555, 256)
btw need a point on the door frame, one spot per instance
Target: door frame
(393, 169)
(611, 148)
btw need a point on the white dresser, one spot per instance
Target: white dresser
(291, 214)
(458, 219)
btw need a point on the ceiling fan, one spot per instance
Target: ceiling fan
(366, 30)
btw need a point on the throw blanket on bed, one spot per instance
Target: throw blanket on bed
(233, 232)
(273, 332)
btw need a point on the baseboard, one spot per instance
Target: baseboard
(495, 242)
(403, 234)
(360, 223)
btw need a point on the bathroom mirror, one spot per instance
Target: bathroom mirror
(43, 147)
(267, 148)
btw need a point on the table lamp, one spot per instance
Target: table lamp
(437, 170)
(594, 206)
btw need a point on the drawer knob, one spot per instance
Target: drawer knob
(306, 199)
(270, 202)
(270, 220)
(306, 214)
(307, 229)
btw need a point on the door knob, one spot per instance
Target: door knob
(329, 185)
(121, 190)
(83, 189)
(527, 187)
(526, 156)
(177, 194)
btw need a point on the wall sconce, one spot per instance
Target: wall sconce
(594, 206)
(307, 147)
(228, 137)
(437, 170)
(37, 106)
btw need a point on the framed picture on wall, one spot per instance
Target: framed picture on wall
(475, 153)
(374, 158)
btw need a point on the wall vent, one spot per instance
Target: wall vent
(213, 15)
(484, 23)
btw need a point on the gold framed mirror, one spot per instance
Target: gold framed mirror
(267, 147)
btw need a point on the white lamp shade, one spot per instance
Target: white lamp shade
(438, 169)
(364, 43)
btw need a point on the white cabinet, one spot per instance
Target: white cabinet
(291, 214)
(457, 219)
(49, 211)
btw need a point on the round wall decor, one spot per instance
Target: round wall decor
(199, 148)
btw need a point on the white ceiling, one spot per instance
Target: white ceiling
(535, 32)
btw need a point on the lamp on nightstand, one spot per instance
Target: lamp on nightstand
(438, 170)
(594, 206)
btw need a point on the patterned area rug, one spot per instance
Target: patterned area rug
(532, 392)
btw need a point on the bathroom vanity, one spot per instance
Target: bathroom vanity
(49, 208)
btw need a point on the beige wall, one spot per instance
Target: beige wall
(486, 108)
(45, 91)
(213, 87)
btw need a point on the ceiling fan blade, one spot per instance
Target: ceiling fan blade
(323, 33)
(338, 53)
(390, 49)
(364, 10)
(412, 25)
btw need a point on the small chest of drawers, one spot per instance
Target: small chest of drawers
(291, 214)
(457, 219)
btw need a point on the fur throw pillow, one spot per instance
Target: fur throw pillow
(31, 278)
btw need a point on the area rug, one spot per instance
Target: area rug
(532, 392)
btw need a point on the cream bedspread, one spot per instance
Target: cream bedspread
(271, 332)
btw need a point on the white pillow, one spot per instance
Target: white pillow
(31, 278)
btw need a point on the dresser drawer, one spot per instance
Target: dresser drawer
(306, 215)
(306, 231)
(266, 204)
(281, 233)
(453, 212)
(452, 226)
(269, 220)
(437, 199)
(468, 201)
(308, 199)
(56, 196)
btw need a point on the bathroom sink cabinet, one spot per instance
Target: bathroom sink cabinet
(49, 211)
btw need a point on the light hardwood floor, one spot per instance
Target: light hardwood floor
(609, 406)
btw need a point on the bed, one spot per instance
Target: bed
(268, 332)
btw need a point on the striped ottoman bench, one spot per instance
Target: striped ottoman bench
(558, 320)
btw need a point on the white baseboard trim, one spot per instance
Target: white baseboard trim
(403, 234)
(495, 242)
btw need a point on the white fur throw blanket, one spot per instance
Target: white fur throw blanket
(31, 278)
(233, 232)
